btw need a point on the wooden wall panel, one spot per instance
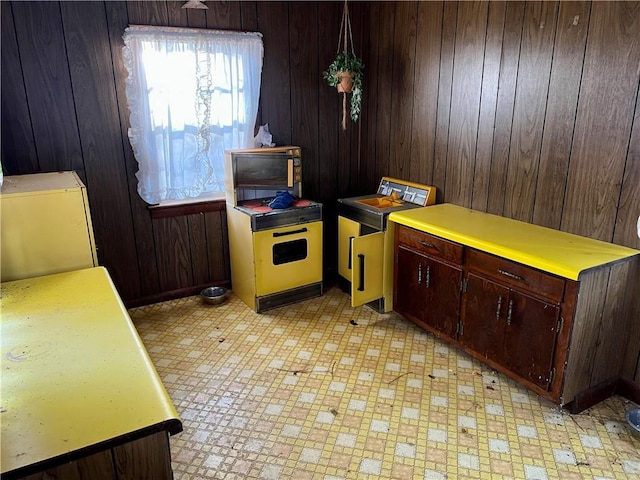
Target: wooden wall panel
(488, 100)
(562, 103)
(39, 30)
(385, 87)
(96, 110)
(17, 136)
(449, 21)
(173, 246)
(530, 107)
(218, 246)
(465, 102)
(275, 101)
(146, 260)
(504, 109)
(604, 119)
(369, 157)
(425, 92)
(304, 106)
(401, 95)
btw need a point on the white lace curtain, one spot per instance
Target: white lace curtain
(192, 94)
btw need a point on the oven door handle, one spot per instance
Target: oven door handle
(292, 232)
(361, 287)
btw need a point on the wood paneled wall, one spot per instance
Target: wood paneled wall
(528, 110)
(64, 108)
(523, 109)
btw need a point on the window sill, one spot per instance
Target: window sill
(190, 208)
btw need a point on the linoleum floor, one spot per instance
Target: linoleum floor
(321, 390)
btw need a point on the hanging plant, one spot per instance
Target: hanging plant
(346, 72)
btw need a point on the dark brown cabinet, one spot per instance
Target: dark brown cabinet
(428, 283)
(548, 309)
(504, 313)
(511, 328)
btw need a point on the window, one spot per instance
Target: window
(192, 94)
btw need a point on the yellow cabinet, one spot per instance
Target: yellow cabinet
(45, 225)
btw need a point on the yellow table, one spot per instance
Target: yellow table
(553, 251)
(76, 378)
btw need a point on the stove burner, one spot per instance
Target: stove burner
(262, 209)
(301, 203)
(251, 204)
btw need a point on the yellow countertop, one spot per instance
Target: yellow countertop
(553, 251)
(75, 373)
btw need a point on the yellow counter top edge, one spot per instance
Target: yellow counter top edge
(403, 218)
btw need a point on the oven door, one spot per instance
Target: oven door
(287, 257)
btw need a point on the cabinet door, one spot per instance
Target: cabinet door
(530, 337)
(442, 288)
(409, 295)
(347, 231)
(367, 255)
(483, 319)
(428, 291)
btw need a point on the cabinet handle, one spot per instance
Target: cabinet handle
(419, 273)
(510, 275)
(427, 244)
(350, 251)
(509, 312)
(499, 306)
(427, 280)
(361, 287)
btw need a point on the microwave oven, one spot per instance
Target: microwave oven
(261, 172)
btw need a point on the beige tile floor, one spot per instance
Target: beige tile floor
(320, 390)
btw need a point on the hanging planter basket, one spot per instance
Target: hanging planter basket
(346, 71)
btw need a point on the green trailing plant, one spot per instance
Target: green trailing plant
(350, 64)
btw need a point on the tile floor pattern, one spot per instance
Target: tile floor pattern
(320, 390)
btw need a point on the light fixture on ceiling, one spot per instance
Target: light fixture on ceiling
(195, 4)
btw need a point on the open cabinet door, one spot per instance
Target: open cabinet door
(347, 231)
(367, 262)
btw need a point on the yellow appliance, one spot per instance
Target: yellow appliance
(45, 225)
(275, 252)
(365, 240)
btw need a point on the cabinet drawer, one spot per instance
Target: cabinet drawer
(517, 275)
(430, 245)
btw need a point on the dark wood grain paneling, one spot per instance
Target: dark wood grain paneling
(402, 93)
(627, 218)
(368, 160)
(176, 15)
(18, 145)
(449, 21)
(562, 103)
(149, 284)
(148, 13)
(173, 247)
(529, 109)
(218, 246)
(199, 249)
(604, 119)
(425, 98)
(465, 101)
(96, 107)
(40, 36)
(275, 101)
(488, 101)
(504, 108)
(224, 15)
(304, 106)
(386, 84)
